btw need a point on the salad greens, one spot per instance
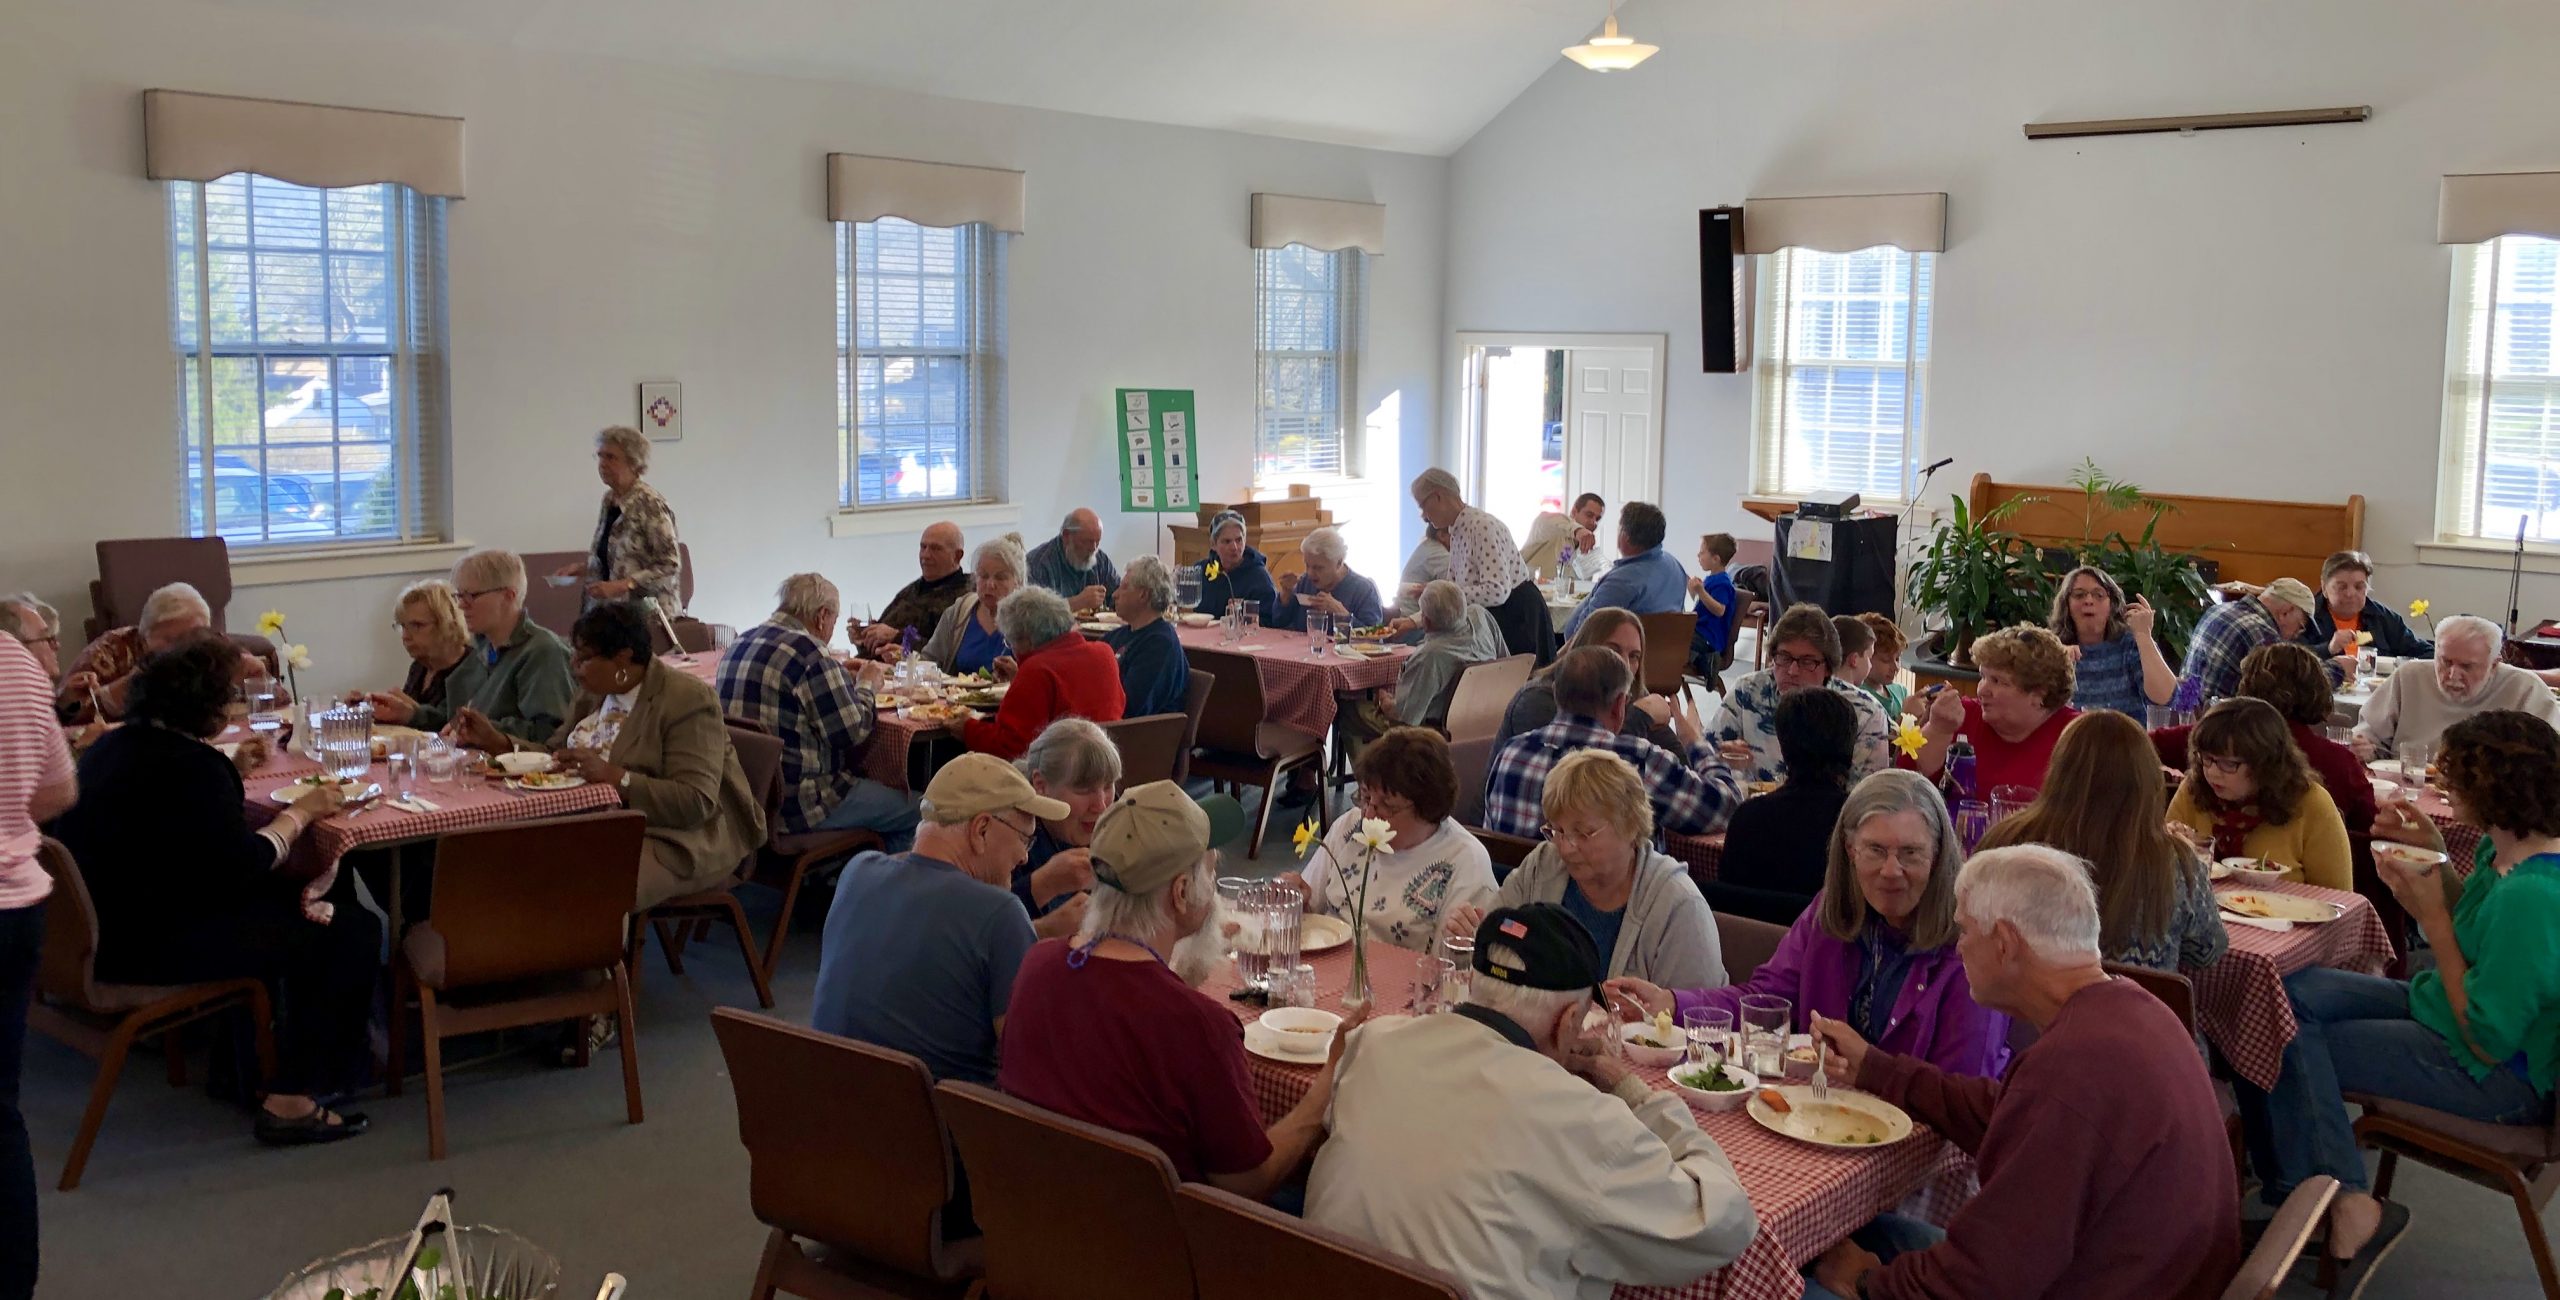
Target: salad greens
(1711, 1079)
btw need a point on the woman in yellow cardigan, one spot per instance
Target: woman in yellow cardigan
(2249, 793)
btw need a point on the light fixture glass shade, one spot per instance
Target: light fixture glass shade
(1610, 52)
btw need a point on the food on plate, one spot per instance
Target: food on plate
(548, 780)
(1657, 1032)
(2247, 904)
(1763, 787)
(1775, 1100)
(979, 699)
(319, 779)
(1840, 1125)
(1709, 1079)
(1312, 1031)
(2407, 855)
(936, 711)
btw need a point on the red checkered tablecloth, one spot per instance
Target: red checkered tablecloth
(884, 756)
(1807, 1198)
(1703, 853)
(1298, 688)
(2240, 999)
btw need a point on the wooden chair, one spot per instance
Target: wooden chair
(1483, 694)
(685, 917)
(2521, 1160)
(1774, 906)
(1471, 758)
(1754, 615)
(2174, 990)
(102, 1020)
(1666, 651)
(796, 856)
(1245, 1250)
(1747, 944)
(555, 608)
(1507, 851)
(820, 1117)
(525, 928)
(1071, 1211)
(1150, 747)
(1195, 697)
(2263, 1272)
(1238, 748)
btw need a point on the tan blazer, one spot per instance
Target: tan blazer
(703, 818)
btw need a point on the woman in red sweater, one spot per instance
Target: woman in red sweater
(2015, 717)
(1057, 674)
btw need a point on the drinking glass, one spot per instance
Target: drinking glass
(263, 718)
(1764, 1034)
(2338, 735)
(399, 766)
(346, 742)
(1319, 632)
(439, 761)
(2009, 800)
(1186, 587)
(1460, 949)
(1269, 937)
(1249, 615)
(2365, 662)
(2159, 716)
(1431, 990)
(1710, 1033)
(1973, 820)
(2413, 764)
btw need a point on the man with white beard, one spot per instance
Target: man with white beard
(2414, 706)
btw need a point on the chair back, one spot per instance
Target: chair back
(1747, 944)
(684, 573)
(2171, 988)
(1234, 704)
(1113, 1237)
(1507, 851)
(1245, 1250)
(2263, 1272)
(535, 898)
(552, 607)
(68, 971)
(1471, 757)
(820, 1115)
(130, 569)
(760, 760)
(1195, 697)
(1666, 650)
(1484, 692)
(1150, 747)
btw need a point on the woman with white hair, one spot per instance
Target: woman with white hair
(967, 639)
(516, 676)
(1328, 587)
(94, 689)
(1058, 673)
(1235, 571)
(1155, 677)
(635, 548)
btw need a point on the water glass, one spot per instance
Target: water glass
(400, 766)
(2413, 763)
(2365, 662)
(2339, 735)
(438, 761)
(1764, 1034)
(1973, 821)
(1301, 985)
(1319, 632)
(1249, 617)
(1431, 989)
(2157, 717)
(1268, 940)
(1710, 1034)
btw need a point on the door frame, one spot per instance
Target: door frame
(1467, 408)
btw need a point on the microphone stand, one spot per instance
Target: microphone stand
(2515, 582)
(1902, 548)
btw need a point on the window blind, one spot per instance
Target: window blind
(921, 377)
(1307, 309)
(1841, 378)
(2502, 393)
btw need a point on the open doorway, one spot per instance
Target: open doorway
(1544, 418)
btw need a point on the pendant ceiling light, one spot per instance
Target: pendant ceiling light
(1608, 51)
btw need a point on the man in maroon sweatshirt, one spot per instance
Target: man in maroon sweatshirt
(2105, 1172)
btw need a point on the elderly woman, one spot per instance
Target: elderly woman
(656, 735)
(634, 553)
(2016, 714)
(967, 639)
(186, 889)
(94, 688)
(1432, 866)
(1074, 762)
(429, 620)
(1599, 864)
(2115, 662)
(1455, 635)
(515, 682)
(1058, 673)
(2250, 793)
(2289, 676)
(1328, 587)
(1235, 571)
(1804, 655)
(1429, 563)
(2345, 618)
(2473, 1036)
(1648, 716)
(1877, 950)
(1155, 677)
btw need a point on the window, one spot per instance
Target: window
(1844, 359)
(1307, 344)
(309, 327)
(920, 363)
(2502, 394)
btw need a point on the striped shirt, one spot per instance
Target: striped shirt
(1692, 795)
(32, 757)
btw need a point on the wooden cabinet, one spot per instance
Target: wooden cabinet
(1275, 528)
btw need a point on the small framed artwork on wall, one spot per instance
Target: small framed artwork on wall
(662, 411)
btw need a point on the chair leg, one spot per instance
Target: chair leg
(431, 1033)
(630, 1045)
(396, 1068)
(2534, 1237)
(671, 938)
(110, 1065)
(1262, 824)
(747, 950)
(2383, 1170)
(782, 920)
(173, 1049)
(775, 1243)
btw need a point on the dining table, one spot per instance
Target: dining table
(1300, 683)
(2240, 999)
(1806, 1198)
(889, 756)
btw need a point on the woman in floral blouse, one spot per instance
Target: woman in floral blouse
(1433, 867)
(634, 552)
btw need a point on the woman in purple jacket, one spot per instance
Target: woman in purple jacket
(1877, 949)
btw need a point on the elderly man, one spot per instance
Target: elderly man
(1055, 672)
(1486, 565)
(1567, 545)
(1155, 677)
(1804, 653)
(2413, 706)
(2229, 631)
(2110, 1110)
(1073, 565)
(94, 689)
(780, 677)
(1103, 1030)
(921, 947)
(918, 606)
(1454, 635)
(1693, 793)
(516, 674)
(37, 627)
(1646, 579)
(1551, 1170)
(1328, 587)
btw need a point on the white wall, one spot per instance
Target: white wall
(2243, 313)
(629, 222)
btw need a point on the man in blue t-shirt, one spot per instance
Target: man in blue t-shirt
(921, 947)
(1713, 637)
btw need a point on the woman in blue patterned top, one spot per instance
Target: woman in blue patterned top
(2115, 662)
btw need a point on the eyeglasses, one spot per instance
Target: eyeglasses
(1560, 836)
(1913, 857)
(475, 595)
(2226, 766)
(1801, 663)
(1026, 835)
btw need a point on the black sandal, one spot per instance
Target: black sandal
(313, 1129)
(2353, 1274)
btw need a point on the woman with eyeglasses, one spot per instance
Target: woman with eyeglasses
(1877, 950)
(514, 680)
(1599, 864)
(2249, 793)
(2015, 717)
(1430, 869)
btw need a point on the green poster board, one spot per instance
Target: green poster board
(1158, 472)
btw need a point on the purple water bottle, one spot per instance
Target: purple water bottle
(1960, 768)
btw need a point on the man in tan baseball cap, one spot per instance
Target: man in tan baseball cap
(921, 947)
(2229, 631)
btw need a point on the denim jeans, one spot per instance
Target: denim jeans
(2356, 1035)
(871, 806)
(1885, 1236)
(21, 935)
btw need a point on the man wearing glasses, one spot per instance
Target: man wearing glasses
(1804, 654)
(515, 676)
(921, 947)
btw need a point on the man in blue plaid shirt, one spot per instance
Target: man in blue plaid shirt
(779, 676)
(2229, 631)
(1693, 793)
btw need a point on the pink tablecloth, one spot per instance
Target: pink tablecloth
(1703, 853)
(884, 756)
(1298, 688)
(1808, 1199)
(2240, 1000)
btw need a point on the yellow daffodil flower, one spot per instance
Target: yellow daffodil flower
(1908, 739)
(2418, 607)
(271, 624)
(1210, 571)
(1304, 836)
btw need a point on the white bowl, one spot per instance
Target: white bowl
(2409, 856)
(2383, 788)
(1706, 1100)
(1655, 1058)
(2248, 869)
(558, 581)
(521, 762)
(1301, 1031)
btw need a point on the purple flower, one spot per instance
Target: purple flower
(2189, 696)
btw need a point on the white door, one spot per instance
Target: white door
(1615, 447)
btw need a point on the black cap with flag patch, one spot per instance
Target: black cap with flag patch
(1553, 949)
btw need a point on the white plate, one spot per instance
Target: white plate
(555, 781)
(1804, 1121)
(1322, 933)
(2280, 907)
(1198, 620)
(292, 790)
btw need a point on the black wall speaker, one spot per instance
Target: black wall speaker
(1724, 292)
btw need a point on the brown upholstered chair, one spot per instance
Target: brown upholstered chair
(2263, 1272)
(525, 928)
(1507, 851)
(846, 1149)
(102, 1020)
(1746, 943)
(555, 608)
(130, 569)
(1238, 748)
(2173, 989)
(1666, 651)
(1114, 1238)
(1245, 1250)
(2520, 1160)
(1150, 747)
(683, 918)
(1484, 693)
(1195, 697)
(1471, 757)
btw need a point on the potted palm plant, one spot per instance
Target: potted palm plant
(2172, 581)
(1977, 577)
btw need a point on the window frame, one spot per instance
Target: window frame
(1347, 322)
(981, 403)
(1774, 367)
(2471, 388)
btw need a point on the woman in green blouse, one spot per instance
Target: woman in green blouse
(2479, 1036)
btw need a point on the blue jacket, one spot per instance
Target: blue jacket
(1357, 594)
(1249, 579)
(1153, 672)
(1648, 582)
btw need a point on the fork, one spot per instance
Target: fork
(1821, 1061)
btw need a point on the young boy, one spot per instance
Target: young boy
(1711, 641)
(1885, 664)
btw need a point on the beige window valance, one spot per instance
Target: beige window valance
(1280, 220)
(1845, 223)
(190, 137)
(926, 193)
(2478, 208)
